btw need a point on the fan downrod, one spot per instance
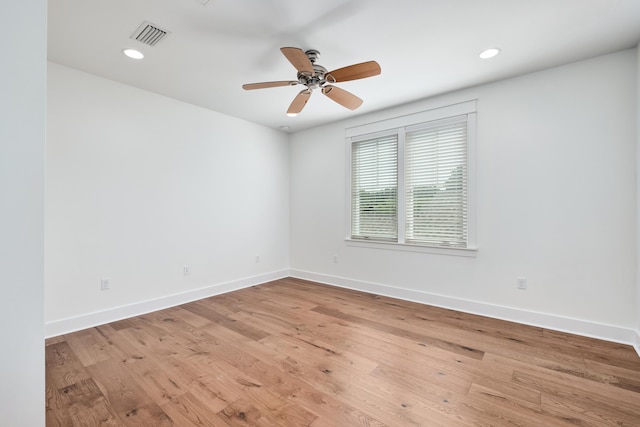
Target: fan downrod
(312, 54)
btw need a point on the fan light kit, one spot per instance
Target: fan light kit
(132, 53)
(489, 53)
(314, 76)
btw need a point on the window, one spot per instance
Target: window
(410, 180)
(375, 188)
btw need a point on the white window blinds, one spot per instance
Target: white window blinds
(436, 183)
(374, 181)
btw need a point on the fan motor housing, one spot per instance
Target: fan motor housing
(313, 81)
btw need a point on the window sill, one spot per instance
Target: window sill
(463, 252)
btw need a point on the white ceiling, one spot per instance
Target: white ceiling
(424, 47)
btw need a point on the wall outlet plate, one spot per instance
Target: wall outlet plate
(521, 283)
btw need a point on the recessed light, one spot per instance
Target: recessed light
(292, 114)
(132, 53)
(489, 53)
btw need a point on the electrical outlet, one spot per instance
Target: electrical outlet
(186, 270)
(257, 259)
(105, 284)
(335, 259)
(521, 283)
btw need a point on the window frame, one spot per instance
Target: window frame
(399, 125)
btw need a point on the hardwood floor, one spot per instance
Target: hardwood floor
(296, 353)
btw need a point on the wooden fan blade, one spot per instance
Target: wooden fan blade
(355, 72)
(342, 97)
(298, 59)
(264, 85)
(299, 102)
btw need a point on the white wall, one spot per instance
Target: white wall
(139, 185)
(22, 145)
(556, 205)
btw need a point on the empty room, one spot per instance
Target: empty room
(272, 213)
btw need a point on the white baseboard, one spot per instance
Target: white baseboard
(72, 324)
(549, 321)
(543, 320)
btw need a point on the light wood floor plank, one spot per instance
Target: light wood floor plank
(297, 353)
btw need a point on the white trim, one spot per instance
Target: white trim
(407, 247)
(549, 321)
(348, 201)
(401, 191)
(471, 180)
(437, 113)
(72, 324)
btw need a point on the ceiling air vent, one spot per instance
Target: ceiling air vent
(149, 33)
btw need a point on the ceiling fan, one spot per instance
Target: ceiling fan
(315, 76)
